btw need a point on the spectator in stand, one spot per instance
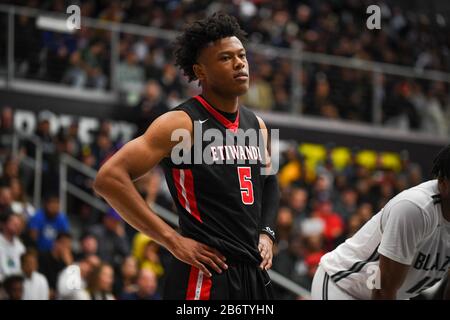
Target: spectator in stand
(102, 149)
(14, 287)
(152, 259)
(334, 225)
(125, 282)
(6, 132)
(131, 76)
(147, 286)
(113, 12)
(322, 188)
(314, 249)
(6, 201)
(20, 204)
(73, 139)
(35, 285)
(260, 94)
(100, 281)
(11, 248)
(355, 222)
(298, 202)
(170, 80)
(365, 211)
(72, 280)
(88, 246)
(113, 246)
(47, 223)
(150, 107)
(293, 170)
(94, 61)
(284, 227)
(50, 166)
(51, 263)
(153, 193)
(10, 171)
(59, 48)
(346, 204)
(75, 75)
(290, 263)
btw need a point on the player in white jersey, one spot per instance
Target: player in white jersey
(401, 251)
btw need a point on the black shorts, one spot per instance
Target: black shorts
(239, 282)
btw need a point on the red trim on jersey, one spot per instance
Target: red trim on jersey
(192, 284)
(199, 285)
(184, 183)
(176, 180)
(205, 293)
(189, 186)
(233, 126)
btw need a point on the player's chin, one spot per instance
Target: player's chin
(241, 89)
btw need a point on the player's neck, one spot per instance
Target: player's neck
(221, 103)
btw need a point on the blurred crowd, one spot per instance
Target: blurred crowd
(408, 37)
(86, 253)
(80, 254)
(324, 203)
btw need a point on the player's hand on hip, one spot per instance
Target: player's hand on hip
(199, 255)
(265, 248)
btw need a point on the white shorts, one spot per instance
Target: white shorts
(323, 288)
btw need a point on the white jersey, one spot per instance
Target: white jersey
(411, 230)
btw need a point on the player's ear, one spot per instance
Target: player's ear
(198, 71)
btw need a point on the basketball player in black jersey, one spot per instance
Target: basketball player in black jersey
(227, 208)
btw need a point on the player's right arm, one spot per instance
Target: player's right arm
(403, 226)
(114, 182)
(392, 276)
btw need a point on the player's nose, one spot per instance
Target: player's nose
(239, 64)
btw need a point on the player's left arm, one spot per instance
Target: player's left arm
(269, 206)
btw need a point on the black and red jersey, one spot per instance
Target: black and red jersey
(219, 203)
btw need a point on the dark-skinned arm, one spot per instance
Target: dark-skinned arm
(269, 207)
(403, 227)
(114, 182)
(392, 276)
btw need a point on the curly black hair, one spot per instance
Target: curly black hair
(199, 34)
(441, 164)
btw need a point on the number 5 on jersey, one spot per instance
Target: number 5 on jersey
(245, 184)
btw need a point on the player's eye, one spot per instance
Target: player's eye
(225, 58)
(243, 56)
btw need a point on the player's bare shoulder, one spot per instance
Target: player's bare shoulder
(170, 121)
(167, 129)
